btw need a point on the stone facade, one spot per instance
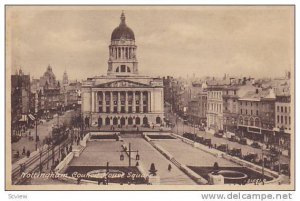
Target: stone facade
(123, 97)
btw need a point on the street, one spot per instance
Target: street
(43, 130)
(181, 128)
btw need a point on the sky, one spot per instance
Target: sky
(255, 41)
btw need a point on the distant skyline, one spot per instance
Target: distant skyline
(255, 41)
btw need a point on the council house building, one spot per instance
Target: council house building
(123, 97)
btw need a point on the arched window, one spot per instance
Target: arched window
(158, 120)
(122, 121)
(137, 121)
(123, 68)
(128, 69)
(145, 120)
(107, 121)
(251, 121)
(118, 69)
(115, 121)
(241, 120)
(246, 121)
(130, 121)
(99, 122)
(257, 122)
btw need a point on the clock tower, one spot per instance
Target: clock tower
(122, 51)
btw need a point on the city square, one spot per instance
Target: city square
(128, 127)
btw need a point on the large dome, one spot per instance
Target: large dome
(122, 31)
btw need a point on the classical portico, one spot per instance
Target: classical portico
(123, 97)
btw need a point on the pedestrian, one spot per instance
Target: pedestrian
(169, 167)
(24, 151)
(28, 153)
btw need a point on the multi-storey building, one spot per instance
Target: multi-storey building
(20, 98)
(257, 115)
(123, 97)
(197, 106)
(283, 122)
(214, 112)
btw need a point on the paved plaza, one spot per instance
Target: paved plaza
(191, 156)
(99, 153)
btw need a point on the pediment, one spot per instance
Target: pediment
(122, 83)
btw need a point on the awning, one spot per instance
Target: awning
(31, 117)
(23, 118)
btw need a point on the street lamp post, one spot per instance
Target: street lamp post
(263, 165)
(41, 152)
(129, 155)
(36, 135)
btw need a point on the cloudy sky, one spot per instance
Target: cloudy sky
(248, 41)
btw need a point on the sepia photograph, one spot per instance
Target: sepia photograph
(150, 97)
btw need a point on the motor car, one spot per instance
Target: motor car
(235, 152)
(218, 134)
(207, 142)
(255, 145)
(222, 147)
(243, 141)
(233, 138)
(251, 157)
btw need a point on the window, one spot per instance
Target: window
(281, 108)
(246, 111)
(285, 119)
(285, 109)
(281, 119)
(117, 70)
(290, 120)
(234, 92)
(128, 69)
(123, 68)
(277, 108)
(251, 112)
(241, 111)
(277, 118)
(256, 112)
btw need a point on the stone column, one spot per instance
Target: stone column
(119, 102)
(103, 102)
(126, 101)
(133, 101)
(92, 101)
(111, 102)
(141, 102)
(148, 101)
(96, 102)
